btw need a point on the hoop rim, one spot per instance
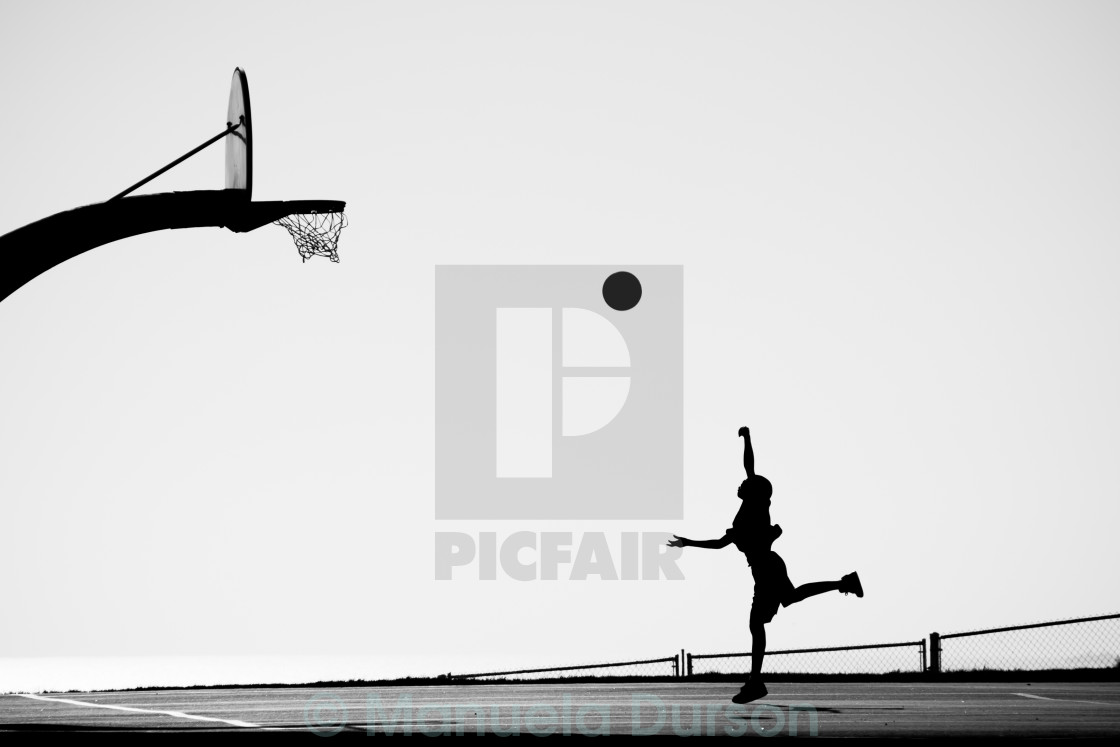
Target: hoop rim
(253, 215)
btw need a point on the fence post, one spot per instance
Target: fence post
(680, 672)
(688, 669)
(934, 653)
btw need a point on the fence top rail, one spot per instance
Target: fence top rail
(1032, 625)
(815, 650)
(568, 668)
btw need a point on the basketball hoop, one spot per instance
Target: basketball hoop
(314, 225)
(315, 233)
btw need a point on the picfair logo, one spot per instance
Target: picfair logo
(559, 392)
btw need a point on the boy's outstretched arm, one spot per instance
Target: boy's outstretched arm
(715, 544)
(748, 452)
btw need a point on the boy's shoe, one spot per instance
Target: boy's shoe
(751, 691)
(850, 585)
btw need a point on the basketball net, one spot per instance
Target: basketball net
(315, 233)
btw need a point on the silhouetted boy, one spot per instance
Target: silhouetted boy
(752, 533)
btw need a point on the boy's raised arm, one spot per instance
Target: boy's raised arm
(748, 452)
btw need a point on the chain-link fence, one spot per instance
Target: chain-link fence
(1081, 643)
(1087, 643)
(878, 658)
(668, 666)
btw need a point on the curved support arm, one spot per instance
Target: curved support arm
(27, 252)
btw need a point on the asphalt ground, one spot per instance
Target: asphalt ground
(824, 709)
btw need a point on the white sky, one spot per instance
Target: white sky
(899, 231)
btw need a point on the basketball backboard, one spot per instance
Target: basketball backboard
(239, 143)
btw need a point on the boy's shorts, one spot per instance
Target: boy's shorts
(772, 586)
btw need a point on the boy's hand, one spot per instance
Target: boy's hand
(777, 531)
(744, 431)
(678, 541)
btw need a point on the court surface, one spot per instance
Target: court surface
(837, 709)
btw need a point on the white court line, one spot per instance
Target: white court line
(176, 714)
(1061, 700)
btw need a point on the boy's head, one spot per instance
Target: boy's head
(757, 488)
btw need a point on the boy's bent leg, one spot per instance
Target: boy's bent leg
(850, 584)
(810, 590)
